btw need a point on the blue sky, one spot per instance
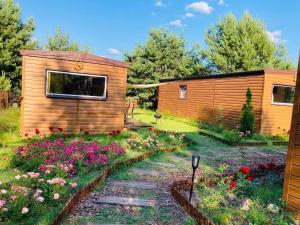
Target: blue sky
(111, 27)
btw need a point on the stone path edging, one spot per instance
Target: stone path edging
(83, 192)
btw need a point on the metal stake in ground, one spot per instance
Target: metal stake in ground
(157, 116)
(195, 164)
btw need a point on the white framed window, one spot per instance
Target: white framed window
(283, 94)
(61, 84)
(182, 91)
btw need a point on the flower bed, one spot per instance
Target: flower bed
(243, 197)
(50, 171)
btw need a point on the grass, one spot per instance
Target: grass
(167, 122)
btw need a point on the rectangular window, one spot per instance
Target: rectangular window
(75, 85)
(182, 91)
(283, 94)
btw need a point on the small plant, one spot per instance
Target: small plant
(247, 117)
(281, 135)
(232, 136)
(5, 84)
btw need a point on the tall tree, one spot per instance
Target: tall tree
(60, 42)
(242, 45)
(14, 36)
(164, 55)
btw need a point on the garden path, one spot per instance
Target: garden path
(137, 195)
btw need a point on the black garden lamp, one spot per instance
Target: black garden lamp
(157, 116)
(195, 164)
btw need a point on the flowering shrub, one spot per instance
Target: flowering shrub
(243, 197)
(151, 142)
(65, 159)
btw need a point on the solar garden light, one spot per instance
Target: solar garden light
(157, 116)
(195, 164)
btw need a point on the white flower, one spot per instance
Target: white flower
(18, 177)
(24, 176)
(4, 209)
(56, 196)
(273, 208)
(3, 191)
(25, 210)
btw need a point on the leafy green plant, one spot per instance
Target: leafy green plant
(5, 84)
(232, 136)
(247, 117)
(9, 119)
(207, 125)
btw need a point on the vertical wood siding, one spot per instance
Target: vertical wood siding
(38, 111)
(292, 172)
(205, 98)
(276, 117)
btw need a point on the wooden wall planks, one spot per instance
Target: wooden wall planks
(40, 112)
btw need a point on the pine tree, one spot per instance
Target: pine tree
(247, 117)
(164, 55)
(60, 42)
(14, 36)
(242, 46)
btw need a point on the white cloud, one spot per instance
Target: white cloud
(189, 15)
(114, 51)
(221, 2)
(159, 3)
(177, 23)
(275, 36)
(201, 7)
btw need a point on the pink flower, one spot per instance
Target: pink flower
(13, 197)
(25, 210)
(73, 185)
(2, 203)
(40, 199)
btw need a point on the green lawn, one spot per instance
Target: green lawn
(167, 122)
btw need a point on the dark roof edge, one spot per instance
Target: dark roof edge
(217, 75)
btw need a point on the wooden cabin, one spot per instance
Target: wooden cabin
(291, 192)
(71, 90)
(206, 97)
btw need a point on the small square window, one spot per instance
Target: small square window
(182, 91)
(283, 94)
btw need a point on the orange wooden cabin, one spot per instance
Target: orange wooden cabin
(205, 97)
(71, 90)
(292, 171)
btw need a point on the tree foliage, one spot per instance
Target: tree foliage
(164, 55)
(242, 46)
(14, 36)
(247, 117)
(60, 42)
(5, 84)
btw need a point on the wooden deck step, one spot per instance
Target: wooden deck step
(143, 172)
(113, 200)
(134, 184)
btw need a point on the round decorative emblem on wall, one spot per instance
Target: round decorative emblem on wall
(78, 66)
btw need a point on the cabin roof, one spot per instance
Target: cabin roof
(233, 74)
(73, 56)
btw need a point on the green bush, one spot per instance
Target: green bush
(9, 119)
(206, 125)
(247, 117)
(232, 136)
(5, 84)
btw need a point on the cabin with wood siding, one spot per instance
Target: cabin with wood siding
(291, 191)
(205, 97)
(71, 90)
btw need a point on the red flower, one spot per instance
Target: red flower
(36, 131)
(150, 128)
(271, 166)
(250, 178)
(118, 132)
(51, 129)
(245, 170)
(86, 132)
(110, 133)
(67, 135)
(232, 184)
(60, 129)
(261, 166)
